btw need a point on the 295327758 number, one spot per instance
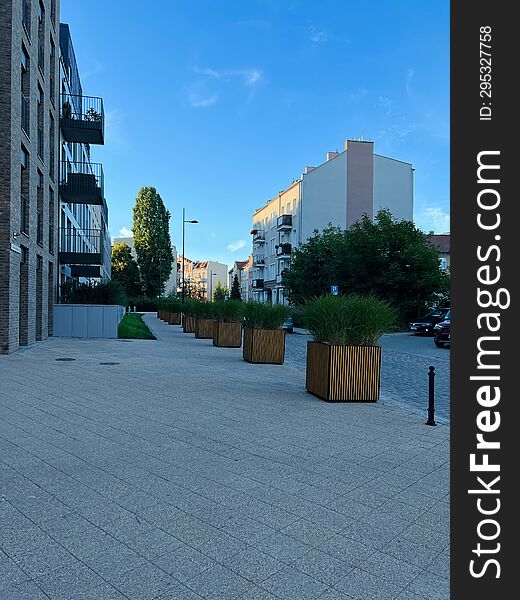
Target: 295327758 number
(485, 73)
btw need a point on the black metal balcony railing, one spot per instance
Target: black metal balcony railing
(24, 214)
(81, 246)
(82, 119)
(82, 183)
(284, 222)
(41, 56)
(26, 17)
(258, 260)
(40, 143)
(25, 113)
(283, 250)
(258, 237)
(258, 284)
(39, 227)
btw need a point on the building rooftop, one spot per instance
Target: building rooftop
(441, 241)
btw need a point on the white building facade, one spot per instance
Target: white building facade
(339, 192)
(204, 278)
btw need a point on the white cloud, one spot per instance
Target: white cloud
(317, 35)
(197, 100)
(125, 232)
(250, 77)
(234, 246)
(434, 219)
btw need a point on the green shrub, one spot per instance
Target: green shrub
(262, 315)
(296, 314)
(203, 310)
(145, 304)
(348, 320)
(172, 305)
(104, 292)
(190, 306)
(228, 311)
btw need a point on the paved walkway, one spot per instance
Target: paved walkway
(182, 472)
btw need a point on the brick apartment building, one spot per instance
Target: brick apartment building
(34, 134)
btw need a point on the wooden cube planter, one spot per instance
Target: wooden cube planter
(188, 324)
(343, 373)
(204, 328)
(264, 346)
(227, 335)
(174, 318)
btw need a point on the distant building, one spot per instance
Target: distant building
(339, 192)
(171, 284)
(204, 278)
(441, 241)
(240, 268)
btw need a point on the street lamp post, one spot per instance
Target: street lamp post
(184, 221)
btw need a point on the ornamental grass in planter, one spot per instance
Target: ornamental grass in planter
(264, 338)
(189, 308)
(173, 308)
(227, 329)
(204, 321)
(344, 360)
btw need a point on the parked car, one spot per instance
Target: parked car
(442, 332)
(425, 326)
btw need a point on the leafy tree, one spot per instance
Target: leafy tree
(151, 221)
(103, 292)
(220, 292)
(235, 289)
(125, 269)
(389, 259)
(313, 265)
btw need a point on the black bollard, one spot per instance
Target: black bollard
(431, 397)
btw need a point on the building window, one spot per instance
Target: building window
(41, 37)
(52, 68)
(51, 220)
(24, 191)
(26, 17)
(39, 210)
(53, 12)
(40, 122)
(52, 130)
(25, 83)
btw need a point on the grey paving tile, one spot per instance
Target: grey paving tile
(218, 582)
(283, 547)
(10, 573)
(70, 581)
(430, 586)
(291, 584)
(308, 533)
(144, 582)
(114, 562)
(253, 565)
(25, 591)
(184, 563)
(256, 593)
(347, 549)
(411, 552)
(363, 585)
(440, 566)
(323, 567)
(369, 535)
(390, 568)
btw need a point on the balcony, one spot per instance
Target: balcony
(82, 119)
(283, 251)
(85, 271)
(284, 223)
(280, 279)
(258, 237)
(81, 247)
(82, 183)
(259, 260)
(258, 284)
(25, 114)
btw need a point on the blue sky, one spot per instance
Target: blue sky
(219, 104)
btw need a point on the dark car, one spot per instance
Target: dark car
(288, 325)
(425, 325)
(442, 332)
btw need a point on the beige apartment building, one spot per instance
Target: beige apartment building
(339, 191)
